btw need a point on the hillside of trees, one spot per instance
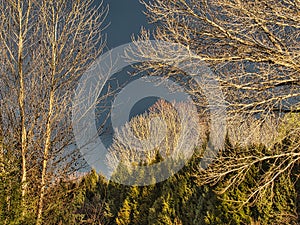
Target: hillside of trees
(183, 198)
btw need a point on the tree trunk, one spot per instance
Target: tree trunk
(23, 135)
(48, 124)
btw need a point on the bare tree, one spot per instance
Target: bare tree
(254, 51)
(154, 137)
(46, 46)
(253, 48)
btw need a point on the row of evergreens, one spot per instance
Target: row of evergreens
(178, 200)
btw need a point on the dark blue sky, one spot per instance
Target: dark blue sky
(126, 17)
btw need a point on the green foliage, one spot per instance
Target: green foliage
(180, 200)
(124, 214)
(64, 204)
(177, 200)
(290, 128)
(10, 198)
(10, 189)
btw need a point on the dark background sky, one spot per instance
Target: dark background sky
(126, 17)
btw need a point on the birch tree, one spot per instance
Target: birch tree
(46, 46)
